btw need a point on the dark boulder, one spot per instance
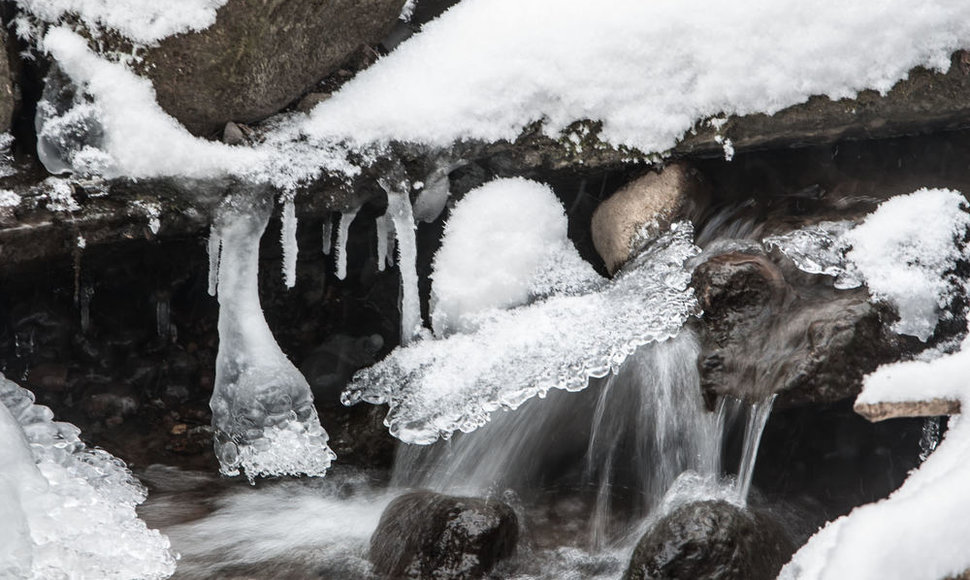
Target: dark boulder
(711, 540)
(260, 56)
(767, 329)
(429, 535)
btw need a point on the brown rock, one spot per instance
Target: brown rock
(641, 210)
(260, 56)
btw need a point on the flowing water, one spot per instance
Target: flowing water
(585, 472)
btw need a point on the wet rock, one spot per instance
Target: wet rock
(311, 100)
(429, 535)
(7, 87)
(713, 540)
(642, 209)
(110, 403)
(259, 56)
(232, 134)
(767, 331)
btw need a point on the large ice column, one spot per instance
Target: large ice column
(262, 408)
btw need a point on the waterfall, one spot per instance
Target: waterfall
(624, 441)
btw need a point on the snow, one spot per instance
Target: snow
(142, 21)
(437, 386)
(9, 198)
(918, 533)
(262, 409)
(498, 239)
(906, 252)
(649, 71)
(905, 249)
(68, 511)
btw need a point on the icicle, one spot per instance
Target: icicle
(163, 315)
(290, 247)
(87, 292)
(399, 209)
(327, 236)
(343, 232)
(757, 418)
(214, 247)
(383, 225)
(262, 408)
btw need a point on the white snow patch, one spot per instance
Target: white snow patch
(9, 198)
(649, 70)
(497, 241)
(143, 21)
(904, 251)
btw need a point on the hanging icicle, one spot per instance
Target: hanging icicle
(343, 231)
(214, 247)
(402, 217)
(327, 236)
(290, 247)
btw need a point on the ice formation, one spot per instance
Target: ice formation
(288, 239)
(400, 212)
(435, 387)
(343, 234)
(906, 252)
(504, 245)
(262, 408)
(68, 511)
(820, 249)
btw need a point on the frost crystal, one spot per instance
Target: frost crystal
(435, 387)
(262, 408)
(68, 511)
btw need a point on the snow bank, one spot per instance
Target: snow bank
(143, 21)
(436, 387)
(487, 68)
(649, 70)
(498, 240)
(68, 511)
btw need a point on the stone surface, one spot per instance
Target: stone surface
(429, 535)
(260, 56)
(929, 408)
(643, 209)
(7, 86)
(767, 331)
(713, 540)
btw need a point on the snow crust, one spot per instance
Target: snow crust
(502, 244)
(906, 252)
(68, 511)
(143, 21)
(436, 387)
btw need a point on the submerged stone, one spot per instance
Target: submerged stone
(429, 535)
(714, 540)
